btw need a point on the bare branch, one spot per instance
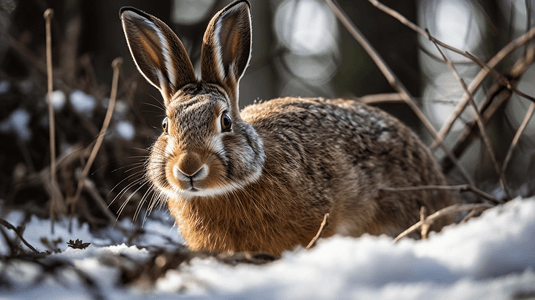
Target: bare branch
(479, 121)
(414, 27)
(460, 188)
(443, 212)
(528, 25)
(500, 78)
(436, 58)
(476, 82)
(381, 98)
(487, 68)
(518, 133)
(497, 97)
(18, 233)
(393, 80)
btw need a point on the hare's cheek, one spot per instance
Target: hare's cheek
(216, 177)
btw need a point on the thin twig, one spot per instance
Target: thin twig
(471, 214)
(381, 98)
(443, 212)
(101, 203)
(436, 58)
(413, 26)
(116, 64)
(528, 18)
(17, 232)
(324, 224)
(500, 78)
(519, 132)
(374, 55)
(479, 121)
(461, 188)
(497, 97)
(396, 98)
(425, 223)
(476, 82)
(393, 81)
(480, 76)
(48, 15)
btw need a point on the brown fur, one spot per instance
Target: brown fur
(266, 183)
(274, 214)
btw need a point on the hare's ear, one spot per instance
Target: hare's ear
(158, 53)
(226, 47)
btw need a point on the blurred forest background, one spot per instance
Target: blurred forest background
(299, 49)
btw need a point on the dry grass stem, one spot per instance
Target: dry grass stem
(425, 224)
(393, 81)
(116, 64)
(461, 188)
(324, 224)
(48, 15)
(479, 121)
(381, 98)
(443, 212)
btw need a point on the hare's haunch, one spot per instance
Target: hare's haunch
(262, 179)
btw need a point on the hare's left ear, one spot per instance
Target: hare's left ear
(226, 47)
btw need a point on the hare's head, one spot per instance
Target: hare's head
(205, 148)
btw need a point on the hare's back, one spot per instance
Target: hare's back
(349, 150)
(348, 131)
(336, 122)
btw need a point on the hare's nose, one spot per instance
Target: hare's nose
(190, 167)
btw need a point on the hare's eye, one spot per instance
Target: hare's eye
(164, 124)
(226, 122)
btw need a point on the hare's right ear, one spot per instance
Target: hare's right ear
(158, 53)
(226, 47)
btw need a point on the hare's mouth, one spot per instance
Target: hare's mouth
(192, 187)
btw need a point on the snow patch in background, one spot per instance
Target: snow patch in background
(18, 123)
(82, 102)
(4, 86)
(490, 257)
(125, 130)
(58, 100)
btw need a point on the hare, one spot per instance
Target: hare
(262, 179)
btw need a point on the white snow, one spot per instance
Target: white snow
(82, 102)
(490, 257)
(18, 123)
